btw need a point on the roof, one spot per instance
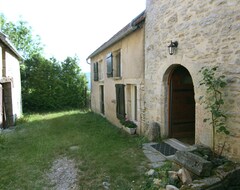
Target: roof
(7, 42)
(135, 24)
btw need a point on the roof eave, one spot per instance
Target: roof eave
(135, 24)
(8, 43)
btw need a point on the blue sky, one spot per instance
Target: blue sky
(73, 27)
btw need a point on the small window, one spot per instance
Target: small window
(100, 70)
(109, 61)
(117, 66)
(95, 71)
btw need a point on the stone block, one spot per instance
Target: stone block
(154, 132)
(193, 163)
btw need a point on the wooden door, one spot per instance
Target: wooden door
(181, 104)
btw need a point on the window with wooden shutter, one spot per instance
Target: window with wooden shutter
(109, 61)
(118, 64)
(120, 100)
(95, 70)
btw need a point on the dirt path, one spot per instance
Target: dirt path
(63, 174)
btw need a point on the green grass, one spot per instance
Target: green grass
(105, 152)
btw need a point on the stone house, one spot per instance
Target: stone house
(117, 69)
(208, 34)
(10, 83)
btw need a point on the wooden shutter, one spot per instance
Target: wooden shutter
(109, 61)
(95, 70)
(120, 97)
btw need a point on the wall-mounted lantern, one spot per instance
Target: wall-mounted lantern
(172, 47)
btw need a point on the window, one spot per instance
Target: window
(114, 64)
(120, 100)
(109, 61)
(100, 70)
(132, 102)
(95, 71)
(117, 64)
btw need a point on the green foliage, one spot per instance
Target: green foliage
(213, 99)
(2, 141)
(105, 153)
(127, 123)
(21, 36)
(48, 85)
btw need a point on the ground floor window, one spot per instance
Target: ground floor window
(132, 102)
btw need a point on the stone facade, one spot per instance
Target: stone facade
(208, 33)
(129, 45)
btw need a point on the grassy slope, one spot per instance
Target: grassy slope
(105, 152)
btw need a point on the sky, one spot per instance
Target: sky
(73, 27)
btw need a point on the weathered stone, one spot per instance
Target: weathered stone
(171, 187)
(185, 176)
(154, 132)
(193, 163)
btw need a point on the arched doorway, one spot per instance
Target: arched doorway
(181, 105)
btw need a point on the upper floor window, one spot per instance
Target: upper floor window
(109, 61)
(100, 70)
(95, 71)
(114, 66)
(117, 64)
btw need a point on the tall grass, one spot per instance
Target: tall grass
(104, 153)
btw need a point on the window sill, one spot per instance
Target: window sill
(101, 81)
(117, 78)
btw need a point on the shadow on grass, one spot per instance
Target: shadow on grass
(103, 151)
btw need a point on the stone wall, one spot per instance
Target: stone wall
(208, 33)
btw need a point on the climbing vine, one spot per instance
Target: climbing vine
(213, 100)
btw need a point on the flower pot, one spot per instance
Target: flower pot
(131, 131)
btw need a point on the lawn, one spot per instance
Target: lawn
(103, 152)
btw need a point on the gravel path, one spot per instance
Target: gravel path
(63, 174)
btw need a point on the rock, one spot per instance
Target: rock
(106, 185)
(151, 172)
(154, 132)
(171, 187)
(184, 176)
(193, 163)
(157, 181)
(173, 175)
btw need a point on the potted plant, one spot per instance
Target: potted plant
(128, 125)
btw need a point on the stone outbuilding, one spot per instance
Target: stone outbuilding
(10, 83)
(168, 85)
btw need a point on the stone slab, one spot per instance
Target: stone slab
(193, 163)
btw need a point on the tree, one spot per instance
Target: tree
(20, 34)
(47, 84)
(214, 101)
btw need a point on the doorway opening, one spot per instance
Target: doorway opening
(102, 107)
(181, 106)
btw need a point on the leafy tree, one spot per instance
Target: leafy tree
(50, 85)
(47, 84)
(21, 36)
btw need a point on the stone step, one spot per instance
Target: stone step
(177, 144)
